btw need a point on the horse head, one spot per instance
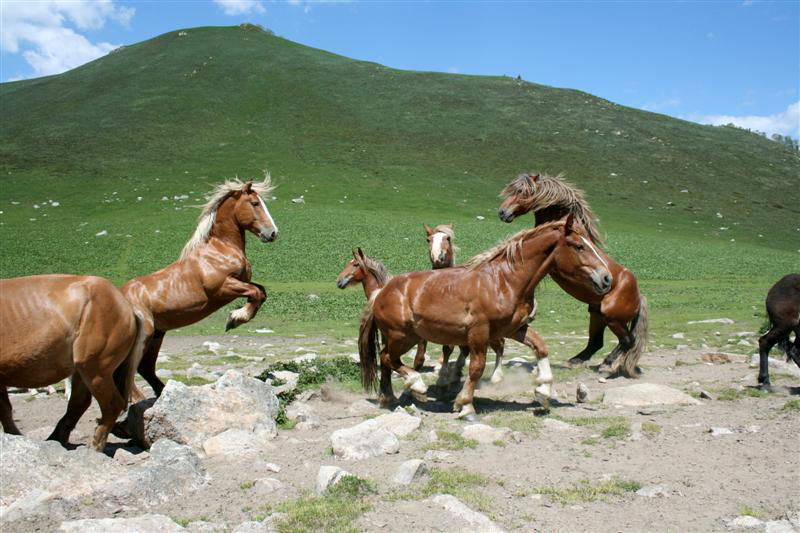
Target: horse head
(578, 260)
(440, 245)
(252, 214)
(354, 271)
(517, 197)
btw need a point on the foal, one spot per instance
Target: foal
(212, 271)
(783, 310)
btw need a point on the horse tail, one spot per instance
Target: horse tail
(368, 348)
(629, 359)
(127, 370)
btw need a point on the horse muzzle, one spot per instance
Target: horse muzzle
(601, 281)
(506, 215)
(343, 282)
(268, 235)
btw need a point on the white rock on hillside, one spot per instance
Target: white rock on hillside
(409, 471)
(327, 476)
(238, 442)
(486, 434)
(374, 437)
(777, 365)
(193, 414)
(644, 394)
(454, 507)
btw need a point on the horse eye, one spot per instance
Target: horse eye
(254, 204)
(579, 247)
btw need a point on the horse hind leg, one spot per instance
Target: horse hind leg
(419, 358)
(597, 327)
(7, 414)
(464, 401)
(765, 344)
(544, 375)
(147, 366)
(79, 401)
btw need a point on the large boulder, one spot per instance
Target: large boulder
(486, 434)
(645, 394)
(457, 509)
(139, 524)
(41, 477)
(377, 436)
(192, 415)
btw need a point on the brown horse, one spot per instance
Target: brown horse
(442, 253)
(623, 309)
(489, 298)
(60, 326)
(783, 311)
(369, 272)
(212, 271)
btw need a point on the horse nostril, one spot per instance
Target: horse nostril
(607, 280)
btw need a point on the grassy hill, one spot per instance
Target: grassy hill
(375, 152)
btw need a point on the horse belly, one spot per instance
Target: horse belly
(35, 354)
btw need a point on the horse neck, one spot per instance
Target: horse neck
(532, 265)
(370, 284)
(225, 227)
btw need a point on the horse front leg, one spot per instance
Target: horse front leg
(498, 346)
(6, 413)
(147, 367)
(234, 288)
(419, 359)
(544, 375)
(464, 401)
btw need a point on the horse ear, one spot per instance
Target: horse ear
(568, 224)
(428, 230)
(248, 188)
(536, 177)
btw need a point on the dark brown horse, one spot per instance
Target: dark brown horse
(212, 271)
(622, 309)
(489, 298)
(58, 326)
(442, 253)
(783, 311)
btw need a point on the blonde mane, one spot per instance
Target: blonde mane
(377, 269)
(215, 199)
(510, 247)
(548, 191)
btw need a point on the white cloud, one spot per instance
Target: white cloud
(40, 31)
(240, 7)
(786, 122)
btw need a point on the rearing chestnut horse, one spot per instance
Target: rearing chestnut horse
(623, 309)
(212, 271)
(488, 299)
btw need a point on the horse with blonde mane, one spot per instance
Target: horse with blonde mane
(58, 326)
(211, 272)
(489, 298)
(623, 309)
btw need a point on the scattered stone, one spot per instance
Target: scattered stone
(234, 441)
(139, 524)
(601, 379)
(433, 436)
(582, 393)
(437, 456)
(518, 436)
(712, 321)
(327, 476)
(409, 471)
(254, 527)
(745, 522)
(128, 458)
(267, 484)
(654, 491)
(373, 437)
(558, 425)
(716, 358)
(289, 380)
(485, 434)
(706, 395)
(454, 507)
(779, 526)
(300, 200)
(201, 526)
(101, 233)
(778, 365)
(677, 336)
(192, 415)
(718, 432)
(300, 412)
(646, 394)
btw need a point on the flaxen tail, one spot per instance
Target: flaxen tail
(368, 349)
(626, 363)
(127, 370)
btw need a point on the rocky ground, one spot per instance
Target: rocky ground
(699, 449)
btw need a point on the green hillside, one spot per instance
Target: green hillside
(375, 152)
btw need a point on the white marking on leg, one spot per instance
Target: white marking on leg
(269, 217)
(544, 377)
(466, 410)
(413, 381)
(594, 250)
(497, 375)
(242, 314)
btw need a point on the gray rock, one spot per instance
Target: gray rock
(712, 321)
(718, 432)
(196, 371)
(374, 437)
(778, 365)
(266, 485)
(486, 434)
(300, 412)
(127, 458)
(289, 378)
(706, 395)
(437, 456)
(745, 522)
(582, 393)
(327, 476)
(654, 491)
(254, 527)
(558, 425)
(454, 507)
(779, 526)
(646, 394)
(141, 524)
(201, 526)
(192, 415)
(238, 442)
(409, 471)
(361, 408)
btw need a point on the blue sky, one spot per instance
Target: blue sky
(712, 62)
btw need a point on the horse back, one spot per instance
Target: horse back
(783, 301)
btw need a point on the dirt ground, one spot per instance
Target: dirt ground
(707, 480)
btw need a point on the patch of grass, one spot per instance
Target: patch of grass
(791, 405)
(750, 511)
(651, 429)
(523, 422)
(448, 440)
(681, 362)
(285, 423)
(584, 491)
(333, 511)
(192, 381)
(464, 485)
(311, 374)
(500, 443)
(617, 429)
(590, 441)
(183, 522)
(246, 485)
(730, 394)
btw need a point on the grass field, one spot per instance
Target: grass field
(376, 152)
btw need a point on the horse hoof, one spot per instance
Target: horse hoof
(420, 397)
(575, 363)
(120, 430)
(231, 323)
(472, 417)
(766, 387)
(466, 412)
